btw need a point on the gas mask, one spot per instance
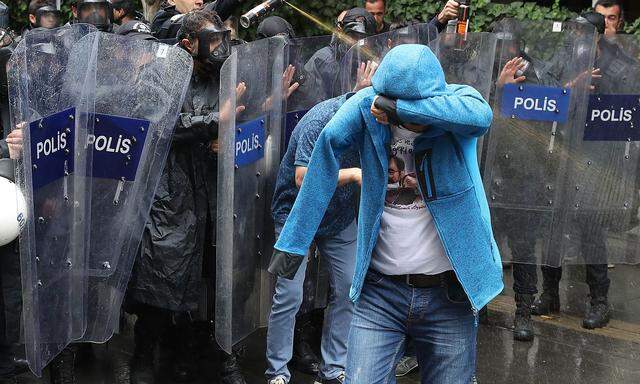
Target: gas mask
(213, 59)
(96, 12)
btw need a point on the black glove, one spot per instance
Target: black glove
(285, 264)
(193, 129)
(388, 106)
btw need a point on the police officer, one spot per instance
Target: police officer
(355, 24)
(165, 288)
(125, 11)
(44, 14)
(590, 227)
(167, 21)
(10, 288)
(95, 12)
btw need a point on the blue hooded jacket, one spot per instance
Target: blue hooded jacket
(450, 178)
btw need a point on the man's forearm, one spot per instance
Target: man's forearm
(348, 176)
(345, 176)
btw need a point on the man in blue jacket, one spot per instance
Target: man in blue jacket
(336, 240)
(426, 259)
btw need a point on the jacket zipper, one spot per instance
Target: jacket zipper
(431, 195)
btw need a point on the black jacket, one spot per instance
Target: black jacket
(180, 230)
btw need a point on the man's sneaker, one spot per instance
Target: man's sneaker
(337, 380)
(406, 365)
(277, 380)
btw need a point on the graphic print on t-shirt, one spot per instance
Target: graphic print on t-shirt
(408, 241)
(402, 184)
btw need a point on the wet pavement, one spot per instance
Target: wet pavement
(562, 352)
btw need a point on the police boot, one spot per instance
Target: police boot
(121, 369)
(598, 315)
(231, 371)
(546, 304)
(522, 323)
(304, 359)
(62, 369)
(142, 359)
(184, 366)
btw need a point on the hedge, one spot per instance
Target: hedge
(484, 12)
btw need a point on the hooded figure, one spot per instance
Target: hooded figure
(274, 26)
(324, 65)
(412, 81)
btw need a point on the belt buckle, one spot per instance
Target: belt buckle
(407, 279)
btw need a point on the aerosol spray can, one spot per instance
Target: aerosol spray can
(464, 13)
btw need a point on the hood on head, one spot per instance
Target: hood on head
(410, 72)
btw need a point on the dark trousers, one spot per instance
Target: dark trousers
(597, 279)
(591, 245)
(9, 265)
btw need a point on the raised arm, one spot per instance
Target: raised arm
(320, 181)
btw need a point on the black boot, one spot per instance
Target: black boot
(522, 324)
(598, 315)
(62, 369)
(231, 371)
(184, 367)
(304, 358)
(546, 304)
(121, 369)
(141, 371)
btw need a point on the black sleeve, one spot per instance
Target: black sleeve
(437, 26)
(4, 149)
(192, 129)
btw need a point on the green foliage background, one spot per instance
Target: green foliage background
(484, 12)
(19, 15)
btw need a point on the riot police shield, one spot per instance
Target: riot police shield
(543, 71)
(298, 53)
(467, 59)
(139, 90)
(372, 49)
(52, 112)
(600, 224)
(249, 153)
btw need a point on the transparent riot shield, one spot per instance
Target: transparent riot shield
(298, 53)
(248, 159)
(374, 48)
(601, 225)
(467, 59)
(52, 111)
(537, 106)
(139, 90)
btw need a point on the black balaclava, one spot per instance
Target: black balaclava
(274, 26)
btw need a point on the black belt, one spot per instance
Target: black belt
(425, 281)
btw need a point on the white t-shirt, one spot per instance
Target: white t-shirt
(408, 242)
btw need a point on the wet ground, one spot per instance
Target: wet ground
(562, 352)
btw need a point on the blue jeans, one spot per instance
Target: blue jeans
(340, 253)
(438, 320)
